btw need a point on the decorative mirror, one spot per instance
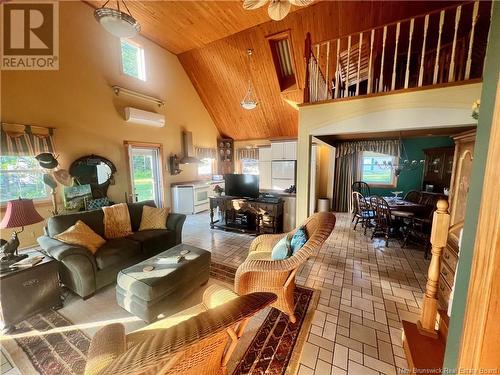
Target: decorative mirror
(96, 171)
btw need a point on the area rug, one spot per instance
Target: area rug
(62, 352)
(274, 349)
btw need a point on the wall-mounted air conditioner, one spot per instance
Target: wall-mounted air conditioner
(138, 116)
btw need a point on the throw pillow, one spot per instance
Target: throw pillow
(298, 239)
(117, 221)
(154, 218)
(81, 234)
(282, 249)
(94, 204)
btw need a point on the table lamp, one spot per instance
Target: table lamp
(19, 213)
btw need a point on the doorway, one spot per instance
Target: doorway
(145, 172)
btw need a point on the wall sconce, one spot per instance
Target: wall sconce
(173, 165)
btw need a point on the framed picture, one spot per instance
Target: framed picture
(75, 196)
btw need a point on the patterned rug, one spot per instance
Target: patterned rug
(276, 346)
(61, 353)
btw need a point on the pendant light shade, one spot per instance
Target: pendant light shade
(249, 102)
(278, 9)
(116, 22)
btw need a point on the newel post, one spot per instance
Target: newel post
(307, 57)
(439, 236)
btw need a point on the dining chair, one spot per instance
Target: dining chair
(362, 211)
(384, 222)
(419, 231)
(361, 187)
(413, 196)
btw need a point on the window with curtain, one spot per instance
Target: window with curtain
(21, 176)
(20, 173)
(372, 169)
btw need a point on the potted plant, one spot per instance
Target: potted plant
(218, 190)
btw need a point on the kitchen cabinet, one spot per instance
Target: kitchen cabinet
(265, 154)
(265, 176)
(284, 150)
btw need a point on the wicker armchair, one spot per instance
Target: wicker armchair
(259, 273)
(198, 340)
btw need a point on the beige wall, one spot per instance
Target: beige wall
(438, 107)
(77, 100)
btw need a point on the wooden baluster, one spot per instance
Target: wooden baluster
(393, 80)
(346, 92)
(422, 58)
(471, 40)
(407, 74)
(337, 80)
(436, 62)
(381, 81)
(307, 57)
(439, 236)
(327, 72)
(451, 75)
(359, 61)
(318, 70)
(369, 89)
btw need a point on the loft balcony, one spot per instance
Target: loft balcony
(440, 48)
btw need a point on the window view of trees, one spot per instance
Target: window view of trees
(143, 177)
(133, 60)
(250, 166)
(372, 170)
(21, 176)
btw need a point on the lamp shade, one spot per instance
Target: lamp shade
(19, 213)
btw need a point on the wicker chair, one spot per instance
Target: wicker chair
(198, 340)
(259, 273)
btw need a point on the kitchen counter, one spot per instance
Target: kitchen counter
(196, 183)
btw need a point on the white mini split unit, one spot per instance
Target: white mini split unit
(138, 116)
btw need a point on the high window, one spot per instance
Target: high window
(283, 60)
(133, 59)
(374, 169)
(21, 176)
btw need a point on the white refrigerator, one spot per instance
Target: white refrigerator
(283, 174)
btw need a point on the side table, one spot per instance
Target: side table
(27, 291)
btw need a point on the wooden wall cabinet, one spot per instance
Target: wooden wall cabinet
(438, 168)
(225, 156)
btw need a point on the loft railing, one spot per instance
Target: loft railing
(444, 46)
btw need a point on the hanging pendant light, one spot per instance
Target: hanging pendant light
(249, 102)
(403, 163)
(116, 22)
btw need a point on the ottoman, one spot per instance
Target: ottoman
(146, 294)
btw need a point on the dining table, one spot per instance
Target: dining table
(399, 204)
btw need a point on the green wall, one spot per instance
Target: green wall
(412, 179)
(488, 95)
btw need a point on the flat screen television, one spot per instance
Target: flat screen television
(242, 185)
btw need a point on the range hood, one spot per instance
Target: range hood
(188, 149)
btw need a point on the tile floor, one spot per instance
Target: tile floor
(366, 290)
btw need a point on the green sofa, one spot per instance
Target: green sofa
(85, 273)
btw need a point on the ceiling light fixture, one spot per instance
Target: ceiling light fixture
(278, 9)
(249, 102)
(116, 22)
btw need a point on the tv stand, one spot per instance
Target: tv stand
(253, 216)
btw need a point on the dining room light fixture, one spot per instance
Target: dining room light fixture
(118, 23)
(403, 163)
(278, 9)
(249, 102)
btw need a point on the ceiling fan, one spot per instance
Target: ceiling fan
(278, 9)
